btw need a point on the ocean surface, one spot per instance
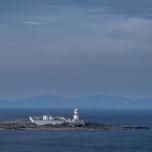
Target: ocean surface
(80, 141)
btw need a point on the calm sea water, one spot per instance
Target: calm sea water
(80, 141)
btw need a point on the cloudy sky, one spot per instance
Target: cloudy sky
(75, 47)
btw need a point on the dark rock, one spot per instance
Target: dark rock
(27, 125)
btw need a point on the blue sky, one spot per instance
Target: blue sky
(73, 48)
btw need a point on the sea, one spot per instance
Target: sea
(80, 141)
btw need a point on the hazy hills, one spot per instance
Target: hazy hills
(93, 101)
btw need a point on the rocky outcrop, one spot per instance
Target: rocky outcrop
(27, 125)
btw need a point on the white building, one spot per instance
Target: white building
(76, 115)
(50, 120)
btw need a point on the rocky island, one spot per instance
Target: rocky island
(49, 123)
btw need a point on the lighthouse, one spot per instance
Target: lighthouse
(76, 115)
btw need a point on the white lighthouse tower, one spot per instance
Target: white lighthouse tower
(76, 115)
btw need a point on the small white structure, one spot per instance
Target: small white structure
(51, 118)
(45, 117)
(76, 115)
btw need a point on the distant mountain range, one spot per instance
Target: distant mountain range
(87, 102)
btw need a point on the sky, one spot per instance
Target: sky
(75, 48)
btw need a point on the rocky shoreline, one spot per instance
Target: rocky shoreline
(27, 125)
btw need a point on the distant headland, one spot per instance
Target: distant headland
(85, 102)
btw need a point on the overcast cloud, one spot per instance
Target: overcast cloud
(72, 48)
